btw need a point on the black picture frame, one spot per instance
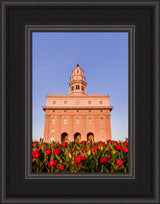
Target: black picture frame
(16, 185)
(29, 30)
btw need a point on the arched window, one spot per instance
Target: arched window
(53, 121)
(77, 71)
(64, 137)
(82, 88)
(64, 121)
(77, 121)
(72, 88)
(77, 137)
(77, 86)
(90, 136)
(101, 120)
(90, 120)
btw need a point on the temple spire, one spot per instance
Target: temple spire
(77, 63)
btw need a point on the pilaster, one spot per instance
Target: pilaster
(108, 126)
(46, 128)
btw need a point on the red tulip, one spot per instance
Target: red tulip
(108, 156)
(35, 153)
(35, 148)
(101, 143)
(125, 149)
(118, 147)
(36, 142)
(83, 142)
(96, 147)
(82, 156)
(65, 144)
(78, 159)
(103, 160)
(52, 162)
(115, 142)
(93, 149)
(61, 167)
(56, 151)
(125, 143)
(110, 141)
(119, 162)
(48, 152)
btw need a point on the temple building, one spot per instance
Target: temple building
(77, 115)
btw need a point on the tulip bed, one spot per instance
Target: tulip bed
(73, 157)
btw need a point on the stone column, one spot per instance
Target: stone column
(83, 134)
(96, 129)
(71, 135)
(46, 128)
(58, 129)
(108, 126)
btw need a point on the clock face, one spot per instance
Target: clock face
(78, 77)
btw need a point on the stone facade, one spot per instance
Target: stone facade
(77, 115)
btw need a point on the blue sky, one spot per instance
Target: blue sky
(104, 58)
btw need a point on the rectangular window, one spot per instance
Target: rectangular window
(101, 120)
(65, 102)
(89, 121)
(53, 121)
(54, 102)
(77, 121)
(64, 121)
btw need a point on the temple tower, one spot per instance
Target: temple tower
(77, 84)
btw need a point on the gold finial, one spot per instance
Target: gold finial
(77, 63)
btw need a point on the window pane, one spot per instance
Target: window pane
(101, 120)
(64, 120)
(90, 120)
(77, 121)
(82, 88)
(53, 120)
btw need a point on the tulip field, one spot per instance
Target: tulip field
(78, 157)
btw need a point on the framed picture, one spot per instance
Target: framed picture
(71, 133)
(80, 98)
